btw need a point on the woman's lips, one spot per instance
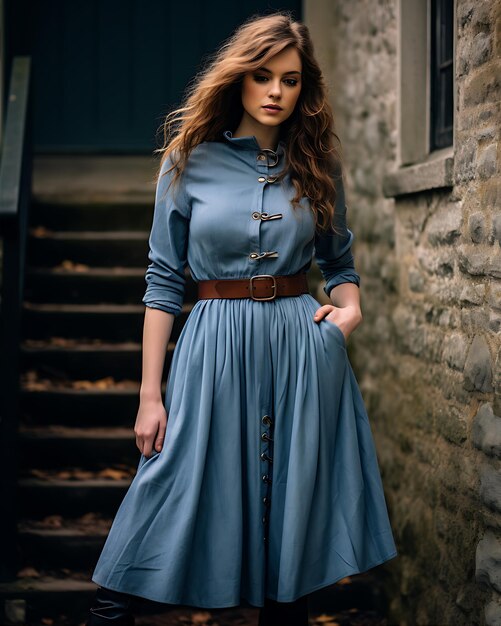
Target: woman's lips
(272, 109)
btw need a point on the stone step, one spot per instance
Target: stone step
(91, 285)
(99, 248)
(79, 284)
(109, 322)
(50, 495)
(46, 596)
(92, 448)
(70, 214)
(68, 360)
(65, 596)
(58, 542)
(111, 406)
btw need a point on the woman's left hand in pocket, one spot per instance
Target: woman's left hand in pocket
(346, 317)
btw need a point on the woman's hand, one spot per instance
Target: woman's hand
(347, 317)
(150, 426)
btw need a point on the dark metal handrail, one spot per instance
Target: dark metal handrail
(15, 198)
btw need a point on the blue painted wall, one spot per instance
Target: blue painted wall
(107, 71)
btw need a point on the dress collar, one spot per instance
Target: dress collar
(250, 142)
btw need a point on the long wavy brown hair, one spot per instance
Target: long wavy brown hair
(212, 103)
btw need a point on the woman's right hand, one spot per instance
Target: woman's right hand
(150, 426)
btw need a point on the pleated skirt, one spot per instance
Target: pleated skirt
(268, 482)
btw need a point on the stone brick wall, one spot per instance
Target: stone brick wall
(428, 354)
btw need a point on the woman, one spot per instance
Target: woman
(258, 477)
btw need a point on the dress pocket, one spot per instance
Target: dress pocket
(143, 460)
(334, 328)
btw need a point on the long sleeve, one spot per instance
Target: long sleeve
(168, 243)
(333, 251)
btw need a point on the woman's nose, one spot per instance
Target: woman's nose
(275, 90)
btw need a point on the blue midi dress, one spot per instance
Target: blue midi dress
(268, 482)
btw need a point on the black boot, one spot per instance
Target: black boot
(275, 613)
(111, 608)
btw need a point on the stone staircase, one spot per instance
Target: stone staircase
(81, 367)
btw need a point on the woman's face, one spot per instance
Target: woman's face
(277, 83)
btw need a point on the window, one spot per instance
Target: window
(426, 97)
(441, 73)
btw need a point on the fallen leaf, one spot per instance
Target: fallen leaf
(115, 474)
(29, 571)
(344, 581)
(68, 264)
(64, 475)
(201, 617)
(54, 521)
(80, 474)
(40, 231)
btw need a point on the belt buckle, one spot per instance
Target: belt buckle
(274, 287)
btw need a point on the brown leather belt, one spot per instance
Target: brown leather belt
(259, 287)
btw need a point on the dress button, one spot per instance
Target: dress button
(262, 179)
(266, 500)
(266, 437)
(264, 519)
(266, 419)
(256, 215)
(253, 255)
(261, 157)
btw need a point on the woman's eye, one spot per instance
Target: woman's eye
(291, 82)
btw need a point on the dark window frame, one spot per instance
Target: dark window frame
(441, 73)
